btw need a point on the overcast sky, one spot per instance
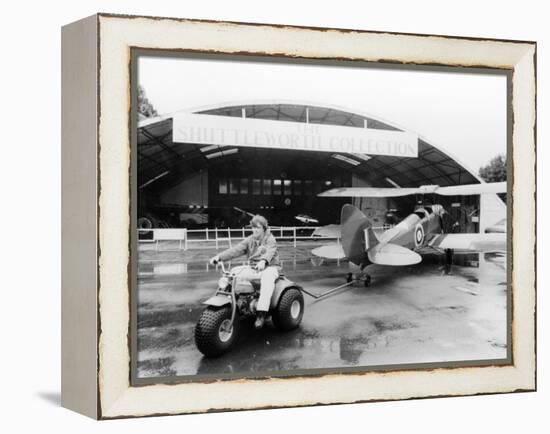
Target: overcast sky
(463, 114)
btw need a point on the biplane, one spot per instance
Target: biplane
(419, 233)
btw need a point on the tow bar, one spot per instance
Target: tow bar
(328, 292)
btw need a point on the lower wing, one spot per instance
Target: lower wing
(382, 254)
(393, 254)
(469, 243)
(330, 251)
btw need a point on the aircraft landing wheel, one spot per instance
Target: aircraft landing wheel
(448, 260)
(367, 281)
(349, 278)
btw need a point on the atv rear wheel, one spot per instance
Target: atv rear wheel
(290, 310)
(214, 334)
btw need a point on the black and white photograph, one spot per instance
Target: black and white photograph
(299, 217)
(279, 217)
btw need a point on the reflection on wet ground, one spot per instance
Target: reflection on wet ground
(409, 315)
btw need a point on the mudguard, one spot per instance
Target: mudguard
(218, 301)
(281, 285)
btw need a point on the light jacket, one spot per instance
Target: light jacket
(264, 248)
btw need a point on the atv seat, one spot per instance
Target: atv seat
(254, 285)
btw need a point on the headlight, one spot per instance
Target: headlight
(223, 282)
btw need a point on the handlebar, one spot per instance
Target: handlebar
(221, 264)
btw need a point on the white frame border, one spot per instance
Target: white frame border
(117, 34)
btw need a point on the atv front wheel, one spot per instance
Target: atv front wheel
(290, 310)
(214, 334)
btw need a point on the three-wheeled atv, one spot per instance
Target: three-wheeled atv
(235, 298)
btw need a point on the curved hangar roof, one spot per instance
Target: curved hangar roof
(163, 162)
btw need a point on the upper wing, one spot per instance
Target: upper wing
(454, 190)
(470, 242)
(484, 188)
(368, 192)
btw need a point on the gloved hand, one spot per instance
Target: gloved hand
(214, 260)
(260, 266)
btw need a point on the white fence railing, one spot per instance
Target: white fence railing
(218, 236)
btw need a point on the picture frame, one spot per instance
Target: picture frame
(98, 272)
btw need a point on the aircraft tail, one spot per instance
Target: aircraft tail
(357, 235)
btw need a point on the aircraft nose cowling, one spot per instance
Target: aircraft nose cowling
(354, 223)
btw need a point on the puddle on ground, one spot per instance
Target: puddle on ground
(156, 367)
(168, 317)
(172, 291)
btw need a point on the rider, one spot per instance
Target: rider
(261, 249)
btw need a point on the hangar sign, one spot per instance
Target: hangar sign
(232, 131)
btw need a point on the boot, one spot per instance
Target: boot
(260, 320)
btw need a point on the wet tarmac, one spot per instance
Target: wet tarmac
(408, 315)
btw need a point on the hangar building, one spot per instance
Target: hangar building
(193, 184)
